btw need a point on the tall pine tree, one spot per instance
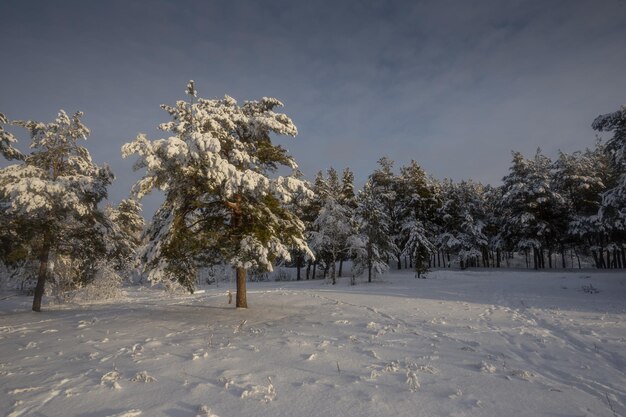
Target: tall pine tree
(224, 201)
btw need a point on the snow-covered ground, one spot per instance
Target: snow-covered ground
(473, 343)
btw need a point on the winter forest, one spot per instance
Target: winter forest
(233, 198)
(406, 296)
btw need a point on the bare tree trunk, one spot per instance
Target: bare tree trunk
(340, 266)
(242, 301)
(333, 277)
(41, 278)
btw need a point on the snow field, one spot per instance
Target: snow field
(477, 343)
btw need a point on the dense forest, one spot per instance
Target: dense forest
(225, 203)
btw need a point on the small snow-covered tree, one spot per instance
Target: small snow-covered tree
(332, 228)
(224, 201)
(51, 199)
(373, 223)
(418, 246)
(128, 225)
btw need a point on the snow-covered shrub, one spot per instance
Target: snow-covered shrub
(282, 274)
(20, 276)
(106, 285)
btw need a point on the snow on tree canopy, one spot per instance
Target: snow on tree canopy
(614, 200)
(224, 201)
(51, 198)
(7, 142)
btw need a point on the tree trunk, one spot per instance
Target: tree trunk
(298, 267)
(240, 272)
(41, 279)
(550, 258)
(399, 263)
(369, 262)
(333, 277)
(596, 260)
(314, 269)
(340, 267)
(242, 301)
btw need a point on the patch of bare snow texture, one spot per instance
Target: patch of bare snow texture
(263, 393)
(110, 379)
(144, 377)
(205, 411)
(412, 381)
(486, 343)
(129, 413)
(487, 368)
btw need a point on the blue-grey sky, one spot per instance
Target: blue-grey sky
(455, 85)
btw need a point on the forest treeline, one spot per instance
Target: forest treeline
(226, 204)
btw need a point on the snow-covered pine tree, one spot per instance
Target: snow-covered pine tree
(373, 225)
(310, 211)
(8, 141)
(613, 209)
(461, 222)
(347, 198)
(385, 185)
(581, 178)
(416, 205)
(126, 236)
(52, 198)
(532, 209)
(224, 201)
(299, 206)
(333, 227)
(493, 220)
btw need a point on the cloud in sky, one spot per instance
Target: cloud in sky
(454, 85)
